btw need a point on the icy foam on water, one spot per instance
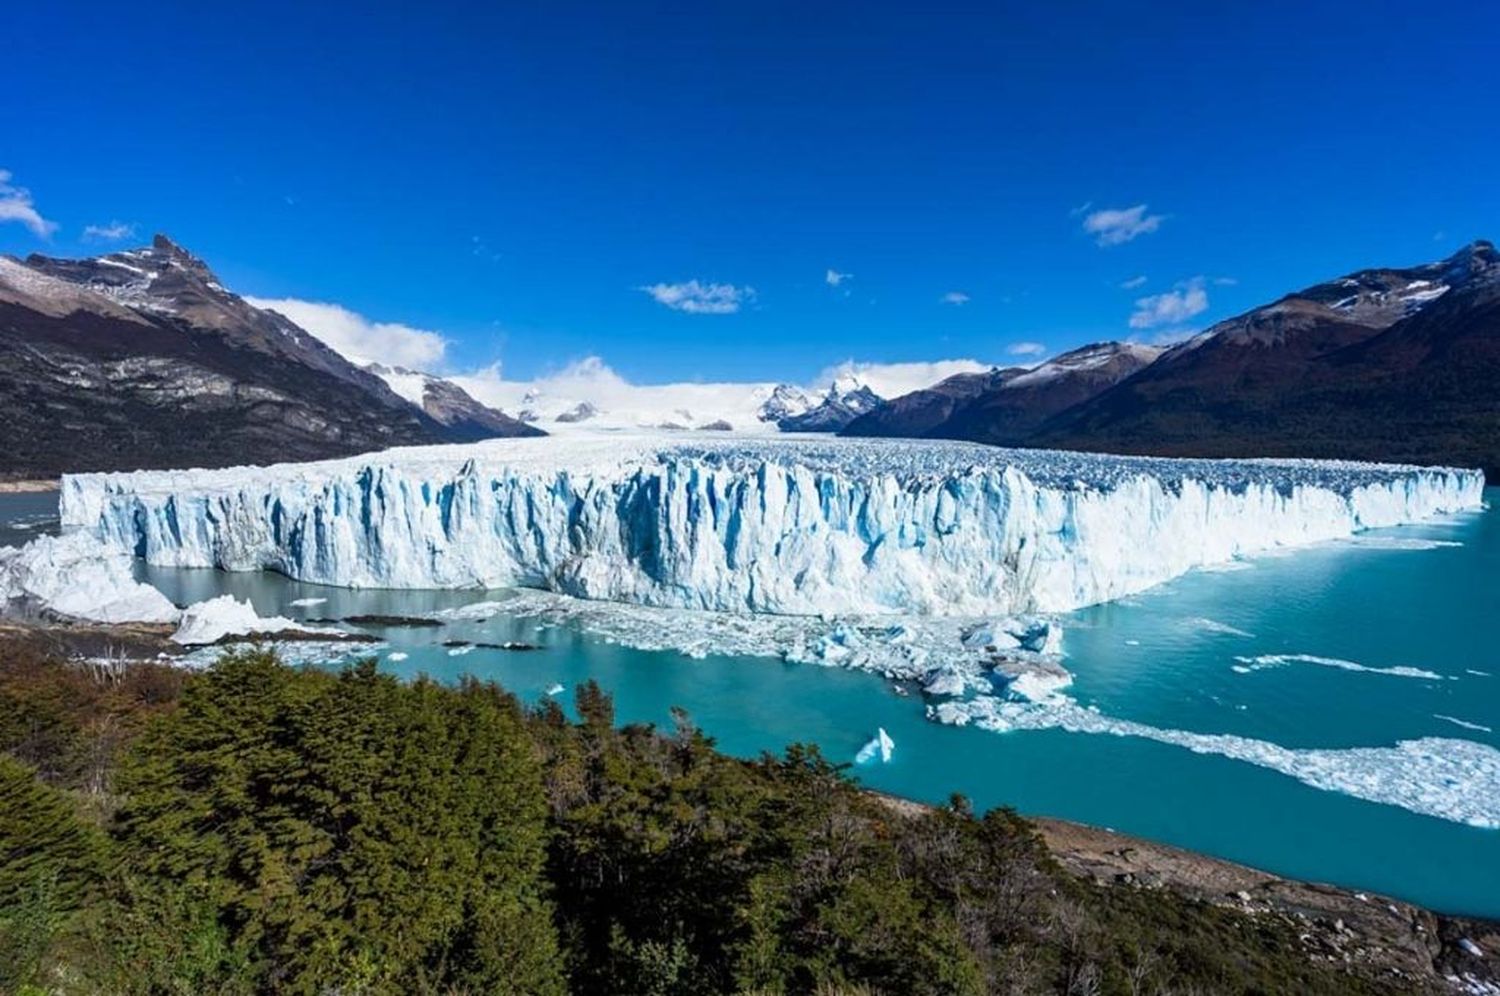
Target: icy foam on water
(1479, 727)
(1214, 626)
(1457, 780)
(1264, 661)
(1398, 543)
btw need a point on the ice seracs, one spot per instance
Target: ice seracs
(779, 525)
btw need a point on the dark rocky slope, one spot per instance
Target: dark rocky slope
(1396, 365)
(142, 359)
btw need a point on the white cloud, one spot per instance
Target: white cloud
(115, 231)
(1225, 281)
(1026, 349)
(357, 338)
(16, 205)
(697, 298)
(1172, 308)
(1115, 226)
(691, 404)
(954, 297)
(891, 380)
(1133, 283)
(621, 404)
(834, 278)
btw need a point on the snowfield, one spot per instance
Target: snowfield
(778, 525)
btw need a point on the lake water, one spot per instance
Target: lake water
(1419, 600)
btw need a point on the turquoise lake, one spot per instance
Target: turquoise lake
(1419, 597)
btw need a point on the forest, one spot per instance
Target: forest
(255, 828)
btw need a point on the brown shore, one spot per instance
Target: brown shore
(1372, 935)
(28, 486)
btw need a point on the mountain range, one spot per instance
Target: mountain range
(1390, 364)
(142, 359)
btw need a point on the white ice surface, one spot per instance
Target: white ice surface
(788, 526)
(77, 577)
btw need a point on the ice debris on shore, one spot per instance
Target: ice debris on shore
(75, 577)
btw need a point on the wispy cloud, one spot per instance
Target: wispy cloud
(115, 231)
(1133, 283)
(1172, 308)
(1115, 226)
(834, 278)
(1225, 281)
(479, 247)
(955, 297)
(360, 339)
(1026, 349)
(698, 298)
(16, 205)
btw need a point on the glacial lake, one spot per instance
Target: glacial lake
(1263, 651)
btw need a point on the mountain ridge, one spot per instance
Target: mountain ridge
(1394, 364)
(142, 358)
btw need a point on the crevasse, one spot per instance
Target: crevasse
(778, 526)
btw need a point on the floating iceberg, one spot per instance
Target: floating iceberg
(790, 526)
(213, 620)
(880, 747)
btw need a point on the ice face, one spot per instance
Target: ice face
(801, 527)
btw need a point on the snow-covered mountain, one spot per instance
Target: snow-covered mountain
(1397, 363)
(788, 525)
(144, 358)
(589, 397)
(450, 405)
(1006, 405)
(793, 409)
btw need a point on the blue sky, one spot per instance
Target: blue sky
(539, 183)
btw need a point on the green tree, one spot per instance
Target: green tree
(50, 861)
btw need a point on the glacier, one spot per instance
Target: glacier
(783, 526)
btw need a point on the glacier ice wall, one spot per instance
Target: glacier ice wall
(781, 526)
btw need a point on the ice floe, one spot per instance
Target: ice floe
(880, 748)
